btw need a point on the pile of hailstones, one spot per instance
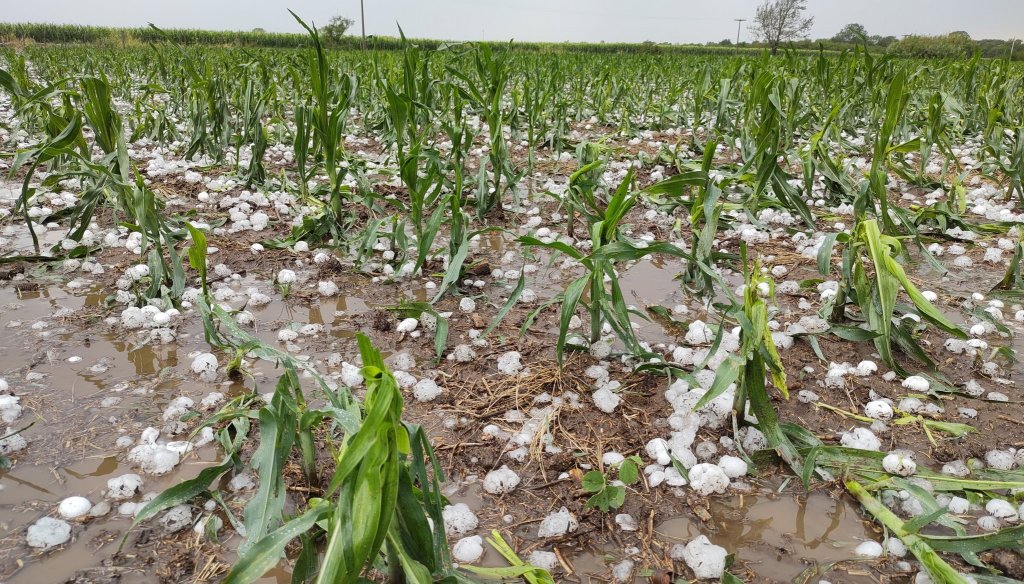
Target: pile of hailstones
(996, 513)
(711, 469)
(706, 560)
(152, 456)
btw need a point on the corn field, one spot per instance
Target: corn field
(589, 292)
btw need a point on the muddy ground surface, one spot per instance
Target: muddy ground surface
(84, 382)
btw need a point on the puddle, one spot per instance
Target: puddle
(779, 537)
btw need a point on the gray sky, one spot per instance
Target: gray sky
(680, 21)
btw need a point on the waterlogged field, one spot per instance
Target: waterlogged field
(479, 313)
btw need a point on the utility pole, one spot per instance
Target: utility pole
(362, 21)
(739, 26)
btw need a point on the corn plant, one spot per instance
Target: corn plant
(872, 281)
(485, 90)
(383, 493)
(757, 359)
(605, 302)
(419, 166)
(332, 98)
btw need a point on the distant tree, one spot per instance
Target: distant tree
(781, 20)
(960, 34)
(851, 33)
(335, 29)
(881, 41)
(258, 30)
(725, 43)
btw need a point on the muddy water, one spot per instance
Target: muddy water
(75, 364)
(782, 537)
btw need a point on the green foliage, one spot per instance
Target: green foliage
(950, 46)
(336, 28)
(605, 495)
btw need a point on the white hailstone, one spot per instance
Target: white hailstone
(657, 449)
(626, 522)
(256, 248)
(468, 549)
(911, 405)
(10, 410)
(898, 463)
(706, 559)
(543, 559)
(622, 571)
(509, 363)
(426, 390)
(612, 458)
(73, 507)
(311, 329)
(916, 383)
(286, 277)
(177, 518)
(601, 349)
(241, 482)
(211, 401)
(708, 478)
(862, 439)
(957, 468)
(404, 380)
(807, 396)
(467, 305)
(99, 509)
(606, 400)
(462, 354)
(869, 549)
(698, 333)
(878, 410)
(1002, 510)
(301, 247)
(895, 547)
(753, 439)
(1000, 459)
(205, 366)
(351, 375)
(930, 296)
(327, 288)
(403, 362)
(671, 475)
(958, 505)
(558, 523)
(459, 519)
(154, 459)
(501, 480)
(865, 368)
(47, 533)
(988, 523)
(287, 335)
(3, 384)
(993, 255)
(733, 467)
(407, 325)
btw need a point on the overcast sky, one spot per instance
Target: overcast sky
(679, 21)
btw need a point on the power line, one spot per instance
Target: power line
(739, 25)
